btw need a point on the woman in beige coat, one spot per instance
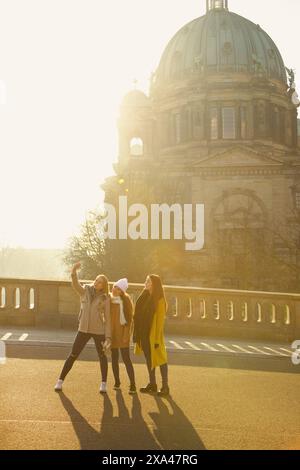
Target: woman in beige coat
(94, 322)
(121, 322)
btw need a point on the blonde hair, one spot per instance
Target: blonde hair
(105, 283)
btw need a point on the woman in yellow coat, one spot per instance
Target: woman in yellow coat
(149, 319)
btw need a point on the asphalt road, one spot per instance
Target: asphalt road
(211, 408)
(226, 394)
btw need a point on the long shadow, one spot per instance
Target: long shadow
(125, 432)
(122, 432)
(88, 437)
(174, 431)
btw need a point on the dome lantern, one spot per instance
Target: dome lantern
(216, 5)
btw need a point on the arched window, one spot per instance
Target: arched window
(276, 125)
(260, 120)
(228, 118)
(243, 122)
(136, 147)
(177, 128)
(279, 125)
(239, 230)
(186, 124)
(197, 124)
(165, 129)
(214, 124)
(282, 126)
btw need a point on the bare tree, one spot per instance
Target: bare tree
(88, 247)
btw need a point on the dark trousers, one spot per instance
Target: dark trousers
(80, 342)
(163, 368)
(125, 353)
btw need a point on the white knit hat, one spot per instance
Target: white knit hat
(122, 284)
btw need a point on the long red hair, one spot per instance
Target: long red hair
(158, 292)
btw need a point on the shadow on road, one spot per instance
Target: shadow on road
(173, 429)
(88, 437)
(123, 432)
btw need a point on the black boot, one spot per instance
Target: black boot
(164, 391)
(151, 388)
(117, 386)
(132, 389)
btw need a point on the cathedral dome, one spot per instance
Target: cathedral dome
(220, 41)
(136, 99)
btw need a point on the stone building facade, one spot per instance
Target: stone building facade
(219, 127)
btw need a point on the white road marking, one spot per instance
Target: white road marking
(176, 345)
(226, 348)
(260, 351)
(5, 337)
(192, 346)
(23, 337)
(276, 352)
(210, 347)
(242, 349)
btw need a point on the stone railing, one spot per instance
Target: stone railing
(191, 311)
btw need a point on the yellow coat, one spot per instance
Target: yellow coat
(159, 355)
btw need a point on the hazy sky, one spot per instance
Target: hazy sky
(66, 65)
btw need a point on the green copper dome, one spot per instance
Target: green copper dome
(220, 41)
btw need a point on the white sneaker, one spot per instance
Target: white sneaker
(103, 388)
(58, 386)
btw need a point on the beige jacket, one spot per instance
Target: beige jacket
(94, 315)
(120, 334)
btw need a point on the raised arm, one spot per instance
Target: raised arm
(75, 283)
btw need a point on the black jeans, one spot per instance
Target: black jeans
(125, 353)
(80, 342)
(163, 368)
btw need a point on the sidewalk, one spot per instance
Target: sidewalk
(190, 344)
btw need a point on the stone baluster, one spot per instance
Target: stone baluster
(199, 311)
(10, 299)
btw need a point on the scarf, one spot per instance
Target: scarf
(119, 301)
(143, 317)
